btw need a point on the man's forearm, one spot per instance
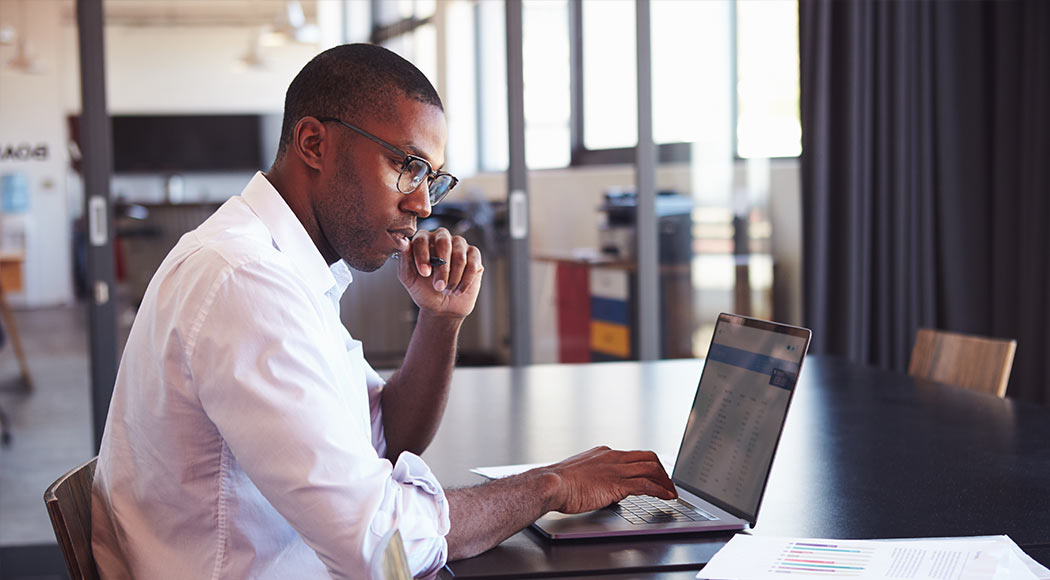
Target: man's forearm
(414, 398)
(485, 515)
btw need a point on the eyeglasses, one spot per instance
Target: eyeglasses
(414, 169)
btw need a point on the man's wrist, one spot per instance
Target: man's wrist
(440, 321)
(550, 486)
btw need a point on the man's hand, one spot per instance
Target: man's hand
(448, 290)
(485, 515)
(601, 476)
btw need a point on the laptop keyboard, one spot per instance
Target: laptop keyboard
(646, 509)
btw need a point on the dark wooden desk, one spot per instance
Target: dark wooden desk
(866, 453)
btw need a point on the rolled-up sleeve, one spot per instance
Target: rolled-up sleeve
(409, 504)
(303, 431)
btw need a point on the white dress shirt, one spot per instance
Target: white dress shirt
(244, 438)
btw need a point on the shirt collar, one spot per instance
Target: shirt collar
(290, 237)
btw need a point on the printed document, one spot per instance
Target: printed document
(748, 557)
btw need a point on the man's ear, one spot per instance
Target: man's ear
(309, 141)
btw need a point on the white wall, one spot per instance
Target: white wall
(31, 112)
(189, 70)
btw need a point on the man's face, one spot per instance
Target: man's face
(361, 213)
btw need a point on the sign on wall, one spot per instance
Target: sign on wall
(24, 152)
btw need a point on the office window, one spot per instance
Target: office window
(418, 46)
(407, 28)
(475, 90)
(475, 59)
(492, 86)
(460, 93)
(706, 55)
(768, 122)
(392, 12)
(546, 83)
(610, 93)
(691, 69)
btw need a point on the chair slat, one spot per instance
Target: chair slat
(68, 502)
(973, 362)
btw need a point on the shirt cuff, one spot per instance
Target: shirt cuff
(420, 511)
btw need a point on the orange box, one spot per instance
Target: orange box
(11, 272)
(609, 338)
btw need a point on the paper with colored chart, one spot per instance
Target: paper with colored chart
(748, 557)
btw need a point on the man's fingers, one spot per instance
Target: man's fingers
(452, 264)
(602, 475)
(441, 246)
(644, 486)
(633, 456)
(420, 250)
(620, 457)
(471, 272)
(647, 477)
(456, 263)
(427, 245)
(643, 469)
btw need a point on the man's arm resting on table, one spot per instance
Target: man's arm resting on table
(485, 515)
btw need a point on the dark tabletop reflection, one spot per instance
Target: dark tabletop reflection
(870, 454)
(865, 453)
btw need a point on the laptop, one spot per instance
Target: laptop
(727, 449)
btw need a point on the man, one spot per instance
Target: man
(247, 436)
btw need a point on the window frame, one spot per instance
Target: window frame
(678, 152)
(582, 156)
(381, 33)
(579, 154)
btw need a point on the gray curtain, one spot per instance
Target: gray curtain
(926, 177)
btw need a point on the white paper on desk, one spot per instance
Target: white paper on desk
(501, 471)
(1017, 556)
(747, 557)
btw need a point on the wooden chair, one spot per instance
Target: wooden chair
(68, 503)
(973, 362)
(11, 281)
(390, 561)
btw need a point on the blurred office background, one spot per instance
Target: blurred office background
(623, 188)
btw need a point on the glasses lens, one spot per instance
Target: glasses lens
(413, 173)
(440, 187)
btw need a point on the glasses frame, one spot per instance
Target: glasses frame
(406, 159)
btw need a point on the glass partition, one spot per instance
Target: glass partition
(725, 83)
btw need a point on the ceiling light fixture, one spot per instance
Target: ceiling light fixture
(7, 34)
(253, 58)
(291, 26)
(23, 60)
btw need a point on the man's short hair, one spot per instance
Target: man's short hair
(352, 81)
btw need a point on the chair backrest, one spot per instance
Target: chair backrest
(973, 362)
(390, 561)
(68, 503)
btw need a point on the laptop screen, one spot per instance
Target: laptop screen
(739, 411)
